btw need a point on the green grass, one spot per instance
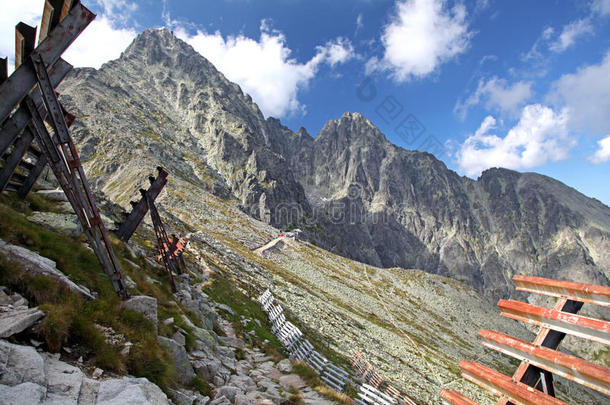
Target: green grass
(70, 318)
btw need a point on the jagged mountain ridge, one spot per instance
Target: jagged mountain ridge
(355, 192)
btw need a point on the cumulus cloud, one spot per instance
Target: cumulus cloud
(103, 39)
(541, 135)
(28, 11)
(570, 34)
(603, 153)
(587, 94)
(422, 35)
(100, 42)
(601, 7)
(264, 68)
(496, 94)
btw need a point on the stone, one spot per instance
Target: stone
(18, 320)
(4, 298)
(88, 391)
(64, 223)
(144, 305)
(241, 399)
(63, 381)
(19, 364)
(24, 393)
(228, 392)
(220, 401)
(130, 391)
(181, 359)
(97, 373)
(180, 338)
(168, 321)
(285, 366)
(207, 369)
(232, 342)
(54, 195)
(33, 263)
(292, 380)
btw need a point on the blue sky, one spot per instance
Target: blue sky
(483, 83)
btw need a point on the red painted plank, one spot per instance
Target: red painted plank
(590, 293)
(571, 367)
(572, 324)
(499, 384)
(456, 398)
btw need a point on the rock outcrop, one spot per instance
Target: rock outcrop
(355, 193)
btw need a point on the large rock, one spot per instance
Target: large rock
(64, 223)
(228, 392)
(181, 359)
(33, 263)
(54, 195)
(17, 320)
(130, 391)
(24, 393)
(63, 381)
(144, 305)
(19, 364)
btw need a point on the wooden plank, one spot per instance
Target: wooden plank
(456, 398)
(590, 293)
(15, 157)
(573, 368)
(572, 324)
(25, 39)
(500, 384)
(19, 84)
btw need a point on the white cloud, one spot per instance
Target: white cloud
(359, 22)
(27, 11)
(570, 33)
(601, 7)
(421, 36)
(541, 135)
(498, 95)
(264, 68)
(603, 153)
(99, 43)
(587, 94)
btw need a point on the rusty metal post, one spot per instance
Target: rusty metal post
(3, 69)
(25, 39)
(128, 227)
(11, 163)
(162, 241)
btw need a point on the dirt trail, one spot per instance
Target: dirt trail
(269, 245)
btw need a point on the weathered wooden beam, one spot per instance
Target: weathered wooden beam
(13, 126)
(19, 84)
(456, 398)
(15, 157)
(25, 39)
(573, 368)
(590, 293)
(128, 227)
(54, 11)
(3, 69)
(35, 172)
(576, 325)
(499, 384)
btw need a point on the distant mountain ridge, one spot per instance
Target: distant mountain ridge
(353, 191)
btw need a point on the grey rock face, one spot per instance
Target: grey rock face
(144, 305)
(19, 364)
(351, 190)
(33, 262)
(13, 321)
(181, 360)
(130, 390)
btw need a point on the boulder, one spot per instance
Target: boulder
(144, 305)
(25, 393)
(228, 392)
(17, 320)
(64, 223)
(285, 366)
(130, 391)
(19, 364)
(63, 381)
(54, 195)
(207, 369)
(181, 359)
(34, 263)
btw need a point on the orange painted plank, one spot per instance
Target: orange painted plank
(499, 384)
(576, 369)
(572, 324)
(590, 293)
(456, 398)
